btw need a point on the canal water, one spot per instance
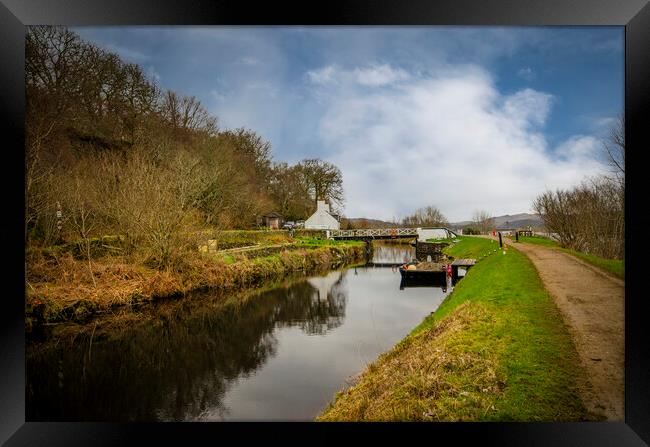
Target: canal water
(277, 354)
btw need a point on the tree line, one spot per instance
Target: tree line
(426, 216)
(108, 151)
(431, 216)
(591, 216)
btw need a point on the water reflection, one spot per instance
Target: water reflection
(387, 252)
(272, 355)
(315, 305)
(177, 364)
(441, 281)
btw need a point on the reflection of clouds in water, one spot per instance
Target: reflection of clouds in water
(323, 284)
(185, 361)
(387, 252)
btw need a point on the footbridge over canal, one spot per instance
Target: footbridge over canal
(421, 234)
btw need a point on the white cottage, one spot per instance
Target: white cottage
(322, 219)
(435, 233)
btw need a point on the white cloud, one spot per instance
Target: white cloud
(452, 141)
(606, 123)
(323, 75)
(250, 61)
(369, 76)
(528, 106)
(579, 147)
(526, 73)
(379, 75)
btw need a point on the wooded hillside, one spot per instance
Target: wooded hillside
(108, 151)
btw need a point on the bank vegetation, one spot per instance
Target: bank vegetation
(590, 218)
(109, 152)
(495, 350)
(127, 181)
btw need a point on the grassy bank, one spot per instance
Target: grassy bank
(495, 350)
(60, 287)
(615, 266)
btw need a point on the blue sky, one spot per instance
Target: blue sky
(463, 118)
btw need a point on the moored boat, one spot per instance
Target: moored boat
(412, 270)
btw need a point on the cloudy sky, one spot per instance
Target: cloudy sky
(462, 118)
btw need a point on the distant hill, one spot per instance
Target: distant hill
(508, 221)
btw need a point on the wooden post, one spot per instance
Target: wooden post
(517, 236)
(369, 249)
(500, 241)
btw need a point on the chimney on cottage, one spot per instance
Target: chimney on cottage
(321, 205)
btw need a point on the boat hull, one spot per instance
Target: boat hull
(422, 274)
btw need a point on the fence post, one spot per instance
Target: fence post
(500, 241)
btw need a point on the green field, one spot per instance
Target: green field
(495, 350)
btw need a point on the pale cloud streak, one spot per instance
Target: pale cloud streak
(526, 73)
(379, 75)
(369, 76)
(325, 75)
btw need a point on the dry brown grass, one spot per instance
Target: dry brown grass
(61, 288)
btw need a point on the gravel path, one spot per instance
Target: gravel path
(592, 303)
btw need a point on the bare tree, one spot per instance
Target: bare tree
(557, 209)
(587, 218)
(324, 180)
(150, 205)
(428, 216)
(185, 113)
(289, 192)
(83, 216)
(614, 148)
(483, 220)
(591, 216)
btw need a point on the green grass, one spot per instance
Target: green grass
(228, 259)
(615, 266)
(472, 247)
(495, 350)
(539, 240)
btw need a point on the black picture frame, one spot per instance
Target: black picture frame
(634, 15)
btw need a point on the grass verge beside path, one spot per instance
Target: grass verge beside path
(495, 350)
(615, 266)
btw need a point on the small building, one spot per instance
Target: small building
(506, 231)
(273, 220)
(435, 233)
(322, 219)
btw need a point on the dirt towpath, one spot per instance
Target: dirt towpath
(592, 304)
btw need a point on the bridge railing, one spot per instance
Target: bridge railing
(373, 232)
